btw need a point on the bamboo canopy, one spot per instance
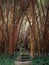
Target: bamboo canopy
(21, 20)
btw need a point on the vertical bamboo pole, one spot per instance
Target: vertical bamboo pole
(31, 45)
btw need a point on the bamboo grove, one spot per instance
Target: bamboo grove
(12, 13)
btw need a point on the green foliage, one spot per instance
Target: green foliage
(40, 60)
(9, 60)
(46, 2)
(6, 61)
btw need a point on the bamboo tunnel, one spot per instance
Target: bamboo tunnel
(12, 15)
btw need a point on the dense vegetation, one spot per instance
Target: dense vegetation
(11, 20)
(5, 60)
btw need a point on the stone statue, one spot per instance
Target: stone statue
(23, 57)
(23, 54)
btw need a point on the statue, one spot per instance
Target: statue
(23, 57)
(23, 54)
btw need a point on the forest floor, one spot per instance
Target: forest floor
(9, 60)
